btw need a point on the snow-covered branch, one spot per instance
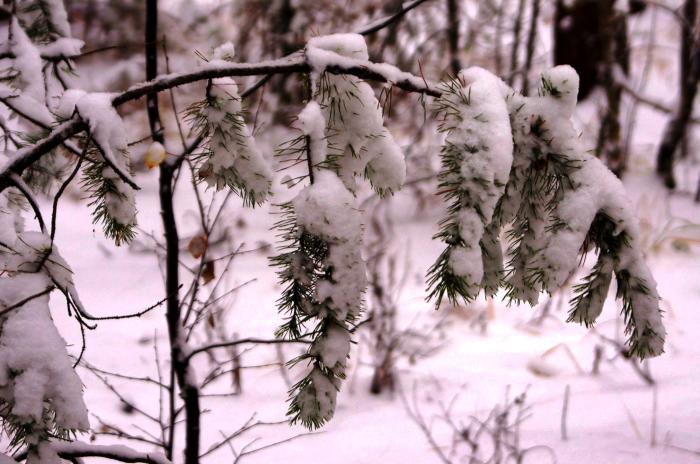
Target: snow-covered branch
(320, 60)
(120, 453)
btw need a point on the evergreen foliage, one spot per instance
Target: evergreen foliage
(558, 203)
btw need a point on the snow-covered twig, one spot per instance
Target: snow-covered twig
(77, 449)
(297, 63)
(27, 192)
(26, 300)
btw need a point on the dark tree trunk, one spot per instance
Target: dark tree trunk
(453, 35)
(690, 77)
(517, 27)
(578, 39)
(179, 362)
(613, 44)
(530, 46)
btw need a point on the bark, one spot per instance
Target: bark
(690, 72)
(179, 361)
(453, 36)
(613, 38)
(530, 46)
(516, 42)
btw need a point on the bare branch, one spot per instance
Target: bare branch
(274, 341)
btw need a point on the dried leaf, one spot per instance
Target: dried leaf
(198, 246)
(208, 273)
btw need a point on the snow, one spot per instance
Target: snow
(26, 105)
(326, 209)
(109, 134)
(106, 126)
(473, 112)
(371, 429)
(121, 204)
(11, 221)
(28, 63)
(333, 347)
(35, 372)
(44, 454)
(67, 104)
(234, 158)
(318, 399)
(593, 189)
(78, 448)
(61, 47)
(349, 51)
(58, 17)
(312, 123)
(364, 147)
(347, 45)
(226, 52)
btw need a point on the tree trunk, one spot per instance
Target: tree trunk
(517, 26)
(179, 363)
(530, 46)
(690, 77)
(613, 40)
(453, 36)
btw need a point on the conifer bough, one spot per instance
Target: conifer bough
(512, 166)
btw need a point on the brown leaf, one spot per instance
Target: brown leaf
(197, 246)
(208, 273)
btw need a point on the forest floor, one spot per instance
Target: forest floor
(611, 416)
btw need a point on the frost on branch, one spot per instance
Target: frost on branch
(231, 158)
(358, 142)
(476, 159)
(559, 203)
(40, 393)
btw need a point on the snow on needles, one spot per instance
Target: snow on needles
(108, 133)
(233, 159)
(27, 61)
(476, 159)
(344, 138)
(37, 381)
(557, 199)
(325, 214)
(354, 120)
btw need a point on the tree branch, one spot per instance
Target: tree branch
(77, 449)
(274, 341)
(297, 63)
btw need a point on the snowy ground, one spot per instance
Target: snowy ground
(609, 418)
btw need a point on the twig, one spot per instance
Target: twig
(27, 192)
(654, 410)
(22, 302)
(274, 341)
(565, 412)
